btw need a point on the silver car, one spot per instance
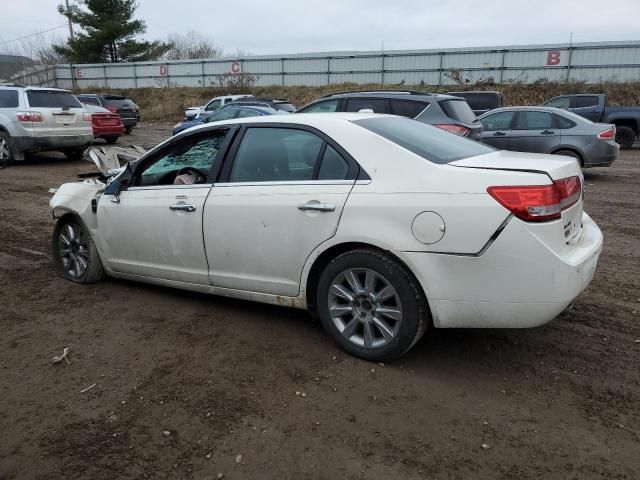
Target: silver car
(550, 130)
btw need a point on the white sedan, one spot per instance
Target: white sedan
(382, 226)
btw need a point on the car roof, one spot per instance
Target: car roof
(536, 108)
(475, 91)
(405, 95)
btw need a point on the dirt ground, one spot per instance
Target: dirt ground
(189, 386)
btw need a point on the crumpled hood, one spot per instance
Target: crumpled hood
(110, 160)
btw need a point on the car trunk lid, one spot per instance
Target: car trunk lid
(61, 114)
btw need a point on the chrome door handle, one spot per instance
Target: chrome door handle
(183, 207)
(318, 207)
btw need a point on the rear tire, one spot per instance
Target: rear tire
(128, 130)
(570, 153)
(371, 305)
(625, 136)
(75, 255)
(111, 140)
(74, 154)
(6, 150)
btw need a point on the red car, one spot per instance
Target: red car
(106, 124)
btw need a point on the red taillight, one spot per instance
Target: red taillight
(29, 116)
(538, 203)
(607, 134)
(112, 109)
(457, 129)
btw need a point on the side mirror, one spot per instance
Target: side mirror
(119, 185)
(190, 114)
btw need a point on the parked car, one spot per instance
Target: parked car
(225, 113)
(33, 119)
(123, 106)
(481, 101)
(212, 105)
(383, 226)
(593, 107)
(452, 114)
(283, 105)
(550, 130)
(106, 124)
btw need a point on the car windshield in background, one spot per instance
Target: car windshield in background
(458, 110)
(52, 99)
(286, 107)
(478, 101)
(431, 143)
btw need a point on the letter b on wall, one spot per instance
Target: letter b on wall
(553, 57)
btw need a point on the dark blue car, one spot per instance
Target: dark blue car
(225, 113)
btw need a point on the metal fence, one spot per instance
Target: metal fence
(588, 62)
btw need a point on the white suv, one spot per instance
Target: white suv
(215, 103)
(34, 119)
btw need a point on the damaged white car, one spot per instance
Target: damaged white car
(383, 226)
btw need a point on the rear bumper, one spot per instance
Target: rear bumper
(129, 122)
(109, 131)
(601, 154)
(57, 142)
(518, 282)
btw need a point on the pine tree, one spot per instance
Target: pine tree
(109, 33)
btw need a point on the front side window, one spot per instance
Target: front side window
(222, 114)
(246, 113)
(276, 154)
(213, 105)
(559, 102)
(187, 162)
(431, 143)
(322, 107)
(534, 121)
(8, 98)
(497, 121)
(378, 105)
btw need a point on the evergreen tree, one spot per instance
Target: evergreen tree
(108, 35)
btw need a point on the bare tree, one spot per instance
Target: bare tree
(191, 45)
(43, 58)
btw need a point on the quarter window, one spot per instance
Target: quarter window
(8, 98)
(564, 123)
(378, 105)
(497, 121)
(198, 153)
(333, 166)
(276, 154)
(534, 121)
(586, 101)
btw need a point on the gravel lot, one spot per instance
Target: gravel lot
(189, 386)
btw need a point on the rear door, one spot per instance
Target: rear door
(280, 195)
(534, 131)
(587, 106)
(496, 129)
(61, 113)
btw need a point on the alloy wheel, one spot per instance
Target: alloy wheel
(365, 307)
(74, 250)
(4, 150)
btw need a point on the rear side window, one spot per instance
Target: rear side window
(407, 108)
(564, 123)
(534, 121)
(8, 98)
(458, 110)
(323, 107)
(431, 143)
(276, 154)
(52, 99)
(586, 101)
(245, 112)
(378, 105)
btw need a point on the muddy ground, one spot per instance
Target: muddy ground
(221, 376)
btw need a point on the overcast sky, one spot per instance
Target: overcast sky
(291, 26)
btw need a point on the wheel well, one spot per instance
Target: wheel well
(626, 123)
(328, 255)
(569, 149)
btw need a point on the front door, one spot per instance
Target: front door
(280, 198)
(534, 131)
(496, 129)
(155, 229)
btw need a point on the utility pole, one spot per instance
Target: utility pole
(69, 19)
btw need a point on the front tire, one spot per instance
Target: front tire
(625, 136)
(371, 305)
(75, 256)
